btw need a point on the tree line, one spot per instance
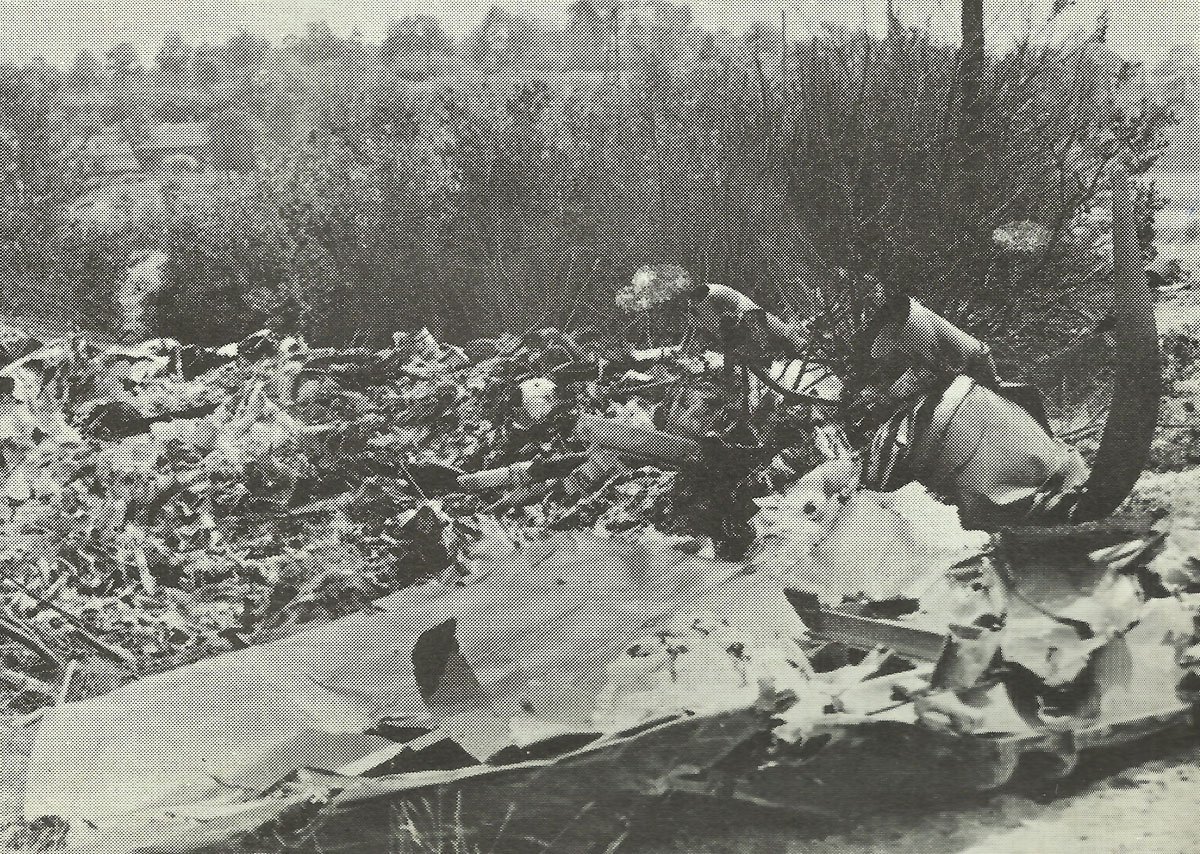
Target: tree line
(515, 177)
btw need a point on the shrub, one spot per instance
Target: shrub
(749, 163)
(230, 269)
(518, 186)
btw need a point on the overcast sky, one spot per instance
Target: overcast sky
(58, 29)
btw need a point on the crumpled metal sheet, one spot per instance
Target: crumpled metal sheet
(539, 630)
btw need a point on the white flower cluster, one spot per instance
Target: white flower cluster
(653, 286)
(1021, 238)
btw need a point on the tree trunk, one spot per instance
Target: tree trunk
(972, 79)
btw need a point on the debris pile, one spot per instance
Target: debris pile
(628, 666)
(165, 502)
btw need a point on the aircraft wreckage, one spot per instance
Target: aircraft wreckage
(577, 652)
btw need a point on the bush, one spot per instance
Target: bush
(230, 270)
(521, 186)
(496, 201)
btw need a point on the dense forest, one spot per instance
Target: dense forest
(516, 177)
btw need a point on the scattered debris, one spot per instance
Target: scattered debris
(344, 525)
(164, 502)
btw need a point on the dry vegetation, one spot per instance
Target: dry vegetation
(514, 179)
